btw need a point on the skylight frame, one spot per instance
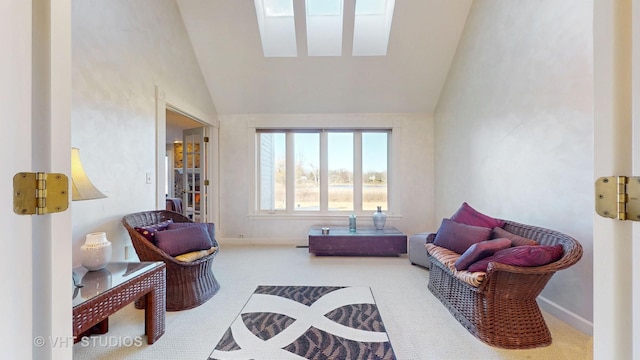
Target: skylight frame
(371, 30)
(277, 30)
(324, 28)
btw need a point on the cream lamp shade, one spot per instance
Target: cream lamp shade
(81, 186)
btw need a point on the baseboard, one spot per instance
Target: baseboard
(574, 320)
(263, 241)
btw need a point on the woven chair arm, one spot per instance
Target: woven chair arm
(498, 272)
(148, 251)
(533, 278)
(565, 261)
(515, 284)
(152, 252)
(495, 267)
(572, 250)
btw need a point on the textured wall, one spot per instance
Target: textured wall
(514, 127)
(414, 169)
(121, 50)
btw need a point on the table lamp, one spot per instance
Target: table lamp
(96, 251)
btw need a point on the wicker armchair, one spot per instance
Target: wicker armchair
(189, 284)
(502, 311)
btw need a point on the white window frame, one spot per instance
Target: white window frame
(284, 124)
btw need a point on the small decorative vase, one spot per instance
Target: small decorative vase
(379, 218)
(96, 251)
(352, 223)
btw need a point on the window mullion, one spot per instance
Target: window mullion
(291, 172)
(390, 155)
(357, 171)
(324, 172)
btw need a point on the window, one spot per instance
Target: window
(306, 191)
(340, 167)
(273, 195)
(374, 171)
(322, 171)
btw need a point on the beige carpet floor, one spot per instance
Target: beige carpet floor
(419, 326)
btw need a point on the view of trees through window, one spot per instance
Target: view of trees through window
(343, 158)
(340, 159)
(307, 171)
(374, 167)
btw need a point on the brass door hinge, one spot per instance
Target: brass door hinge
(206, 139)
(40, 193)
(618, 197)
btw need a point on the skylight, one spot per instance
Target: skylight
(371, 7)
(278, 7)
(324, 20)
(372, 27)
(324, 7)
(324, 27)
(277, 27)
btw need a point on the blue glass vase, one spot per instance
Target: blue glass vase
(379, 219)
(352, 223)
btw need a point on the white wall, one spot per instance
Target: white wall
(414, 169)
(121, 51)
(514, 129)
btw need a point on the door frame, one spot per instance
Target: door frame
(38, 88)
(635, 114)
(616, 291)
(166, 101)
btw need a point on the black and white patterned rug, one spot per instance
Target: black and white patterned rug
(306, 322)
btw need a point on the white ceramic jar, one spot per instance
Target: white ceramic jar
(96, 251)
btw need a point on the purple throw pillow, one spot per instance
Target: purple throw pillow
(181, 225)
(209, 226)
(470, 216)
(459, 237)
(516, 240)
(149, 231)
(528, 255)
(480, 251)
(183, 240)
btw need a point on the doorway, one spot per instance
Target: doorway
(173, 117)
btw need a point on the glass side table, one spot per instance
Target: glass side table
(99, 294)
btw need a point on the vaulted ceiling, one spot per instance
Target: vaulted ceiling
(409, 79)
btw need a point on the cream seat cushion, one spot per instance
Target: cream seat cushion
(448, 258)
(195, 255)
